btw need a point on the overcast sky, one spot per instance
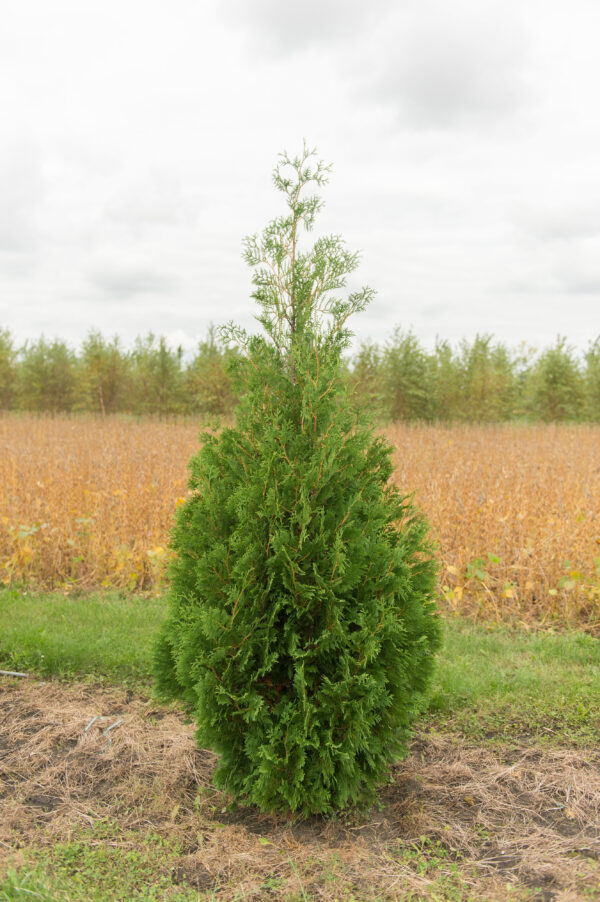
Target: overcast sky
(138, 139)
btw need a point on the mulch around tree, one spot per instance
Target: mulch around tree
(491, 819)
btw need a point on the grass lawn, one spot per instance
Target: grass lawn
(499, 799)
(490, 681)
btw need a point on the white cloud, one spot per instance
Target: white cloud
(138, 141)
(278, 28)
(124, 281)
(158, 200)
(443, 65)
(562, 222)
(21, 194)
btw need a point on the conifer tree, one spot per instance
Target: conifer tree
(406, 378)
(207, 382)
(103, 371)
(302, 627)
(8, 370)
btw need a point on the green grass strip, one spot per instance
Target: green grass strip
(105, 636)
(491, 682)
(496, 682)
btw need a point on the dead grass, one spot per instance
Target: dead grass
(455, 821)
(89, 503)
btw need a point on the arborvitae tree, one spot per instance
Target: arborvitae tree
(302, 627)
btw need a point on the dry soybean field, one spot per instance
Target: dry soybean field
(88, 503)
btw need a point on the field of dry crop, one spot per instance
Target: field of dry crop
(88, 503)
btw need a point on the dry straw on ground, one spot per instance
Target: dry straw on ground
(452, 815)
(515, 509)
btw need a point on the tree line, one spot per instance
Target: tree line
(152, 378)
(478, 381)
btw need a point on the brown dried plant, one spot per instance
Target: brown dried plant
(88, 503)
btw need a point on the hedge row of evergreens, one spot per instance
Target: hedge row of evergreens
(478, 381)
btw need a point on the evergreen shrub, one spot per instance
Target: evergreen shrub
(302, 626)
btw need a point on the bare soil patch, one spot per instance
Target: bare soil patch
(455, 821)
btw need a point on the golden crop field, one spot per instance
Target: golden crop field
(88, 503)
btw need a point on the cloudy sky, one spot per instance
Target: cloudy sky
(138, 139)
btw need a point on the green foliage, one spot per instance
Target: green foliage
(489, 381)
(479, 381)
(103, 378)
(156, 376)
(556, 385)
(592, 381)
(446, 381)
(8, 374)
(208, 385)
(46, 377)
(365, 379)
(103, 374)
(302, 628)
(407, 379)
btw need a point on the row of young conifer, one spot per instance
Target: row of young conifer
(478, 381)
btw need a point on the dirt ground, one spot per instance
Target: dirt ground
(493, 821)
